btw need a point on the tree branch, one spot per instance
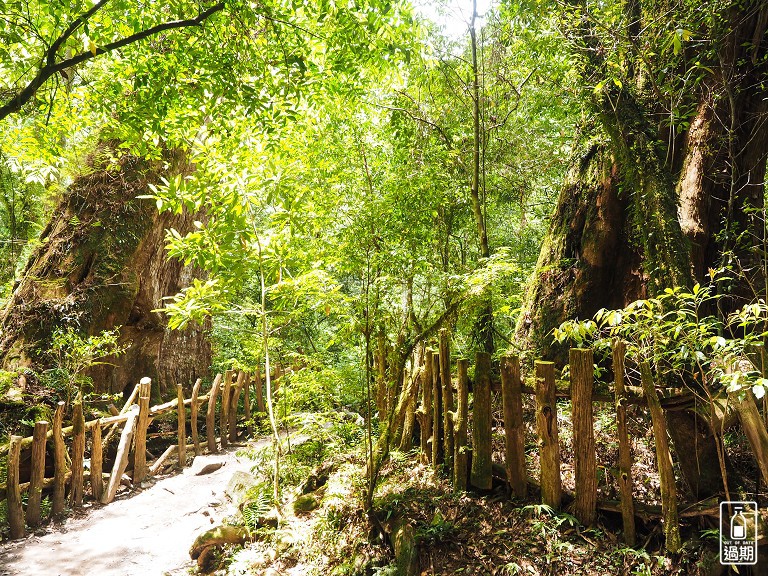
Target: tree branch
(50, 57)
(51, 67)
(436, 127)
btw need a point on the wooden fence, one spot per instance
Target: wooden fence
(135, 418)
(444, 439)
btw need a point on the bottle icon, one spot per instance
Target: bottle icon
(738, 524)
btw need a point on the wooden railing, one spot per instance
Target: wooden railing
(135, 418)
(444, 441)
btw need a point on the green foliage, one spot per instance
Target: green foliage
(257, 503)
(439, 530)
(679, 336)
(72, 356)
(317, 438)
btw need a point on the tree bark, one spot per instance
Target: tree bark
(102, 264)
(481, 475)
(587, 261)
(585, 465)
(460, 456)
(647, 206)
(514, 428)
(549, 442)
(625, 446)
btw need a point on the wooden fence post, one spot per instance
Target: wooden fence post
(121, 459)
(97, 459)
(15, 511)
(585, 466)
(437, 413)
(426, 404)
(447, 389)
(625, 451)
(210, 416)
(514, 431)
(194, 410)
(259, 391)
(460, 426)
(754, 428)
(224, 414)
(406, 437)
(247, 399)
(664, 460)
(277, 381)
(234, 401)
(482, 476)
(59, 462)
(549, 443)
(78, 454)
(37, 474)
(140, 453)
(181, 420)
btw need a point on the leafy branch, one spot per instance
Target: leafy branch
(49, 66)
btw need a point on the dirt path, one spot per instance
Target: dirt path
(147, 534)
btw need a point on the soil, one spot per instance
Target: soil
(143, 532)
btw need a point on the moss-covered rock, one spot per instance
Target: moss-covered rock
(307, 502)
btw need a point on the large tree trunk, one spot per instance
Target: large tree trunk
(587, 261)
(101, 264)
(681, 210)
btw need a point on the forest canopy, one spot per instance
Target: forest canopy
(332, 186)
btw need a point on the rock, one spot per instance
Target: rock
(207, 561)
(318, 478)
(239, 485)
(307, 502)
(12, 396)
(208, 468)
(406, 552)
(218, 536)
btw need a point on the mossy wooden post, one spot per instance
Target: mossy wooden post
(514, 431)
(664, 461)
(437, 413)
(481, 476)
(37, 474)
(121, 459)
(233, 403)
(259, 391)
(426, 406)
(447, 389)
(78, 454)
(181, 421)
(15, 511)
(226, 393)
(460, 426)
(140, 454)
(247, 397)
(585, 465)
(194, 412)
(625, 451)
(278, 377)
(546, 426)
(97, 462)
(210, 416)
(59, 462)
(380, 365)
(406, 438)
(754, 428)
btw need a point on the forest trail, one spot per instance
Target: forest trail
(144, 534)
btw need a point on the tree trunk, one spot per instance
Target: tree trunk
(102, 264)
(648, 207)
(587, 262)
